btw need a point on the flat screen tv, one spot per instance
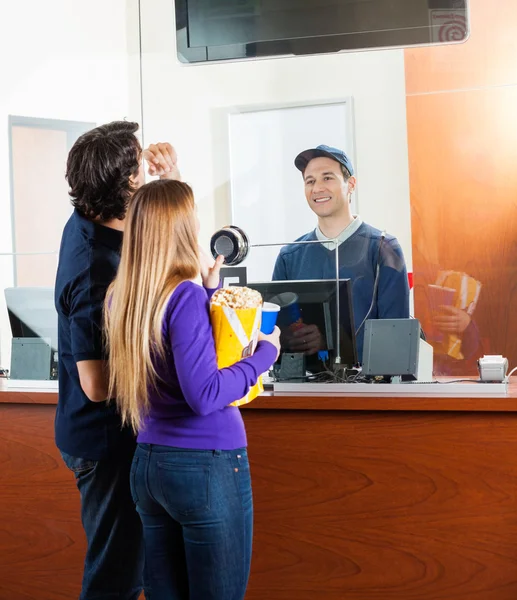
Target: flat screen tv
(215, 30)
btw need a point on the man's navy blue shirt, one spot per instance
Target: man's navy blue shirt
(88, 260)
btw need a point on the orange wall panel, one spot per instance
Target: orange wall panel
(463, 174)
(488, 58)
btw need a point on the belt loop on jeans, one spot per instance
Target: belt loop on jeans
(147, 448)
(217, 453)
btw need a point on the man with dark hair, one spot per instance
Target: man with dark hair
(104, 169)
(329, 181)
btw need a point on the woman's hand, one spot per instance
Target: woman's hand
(272, 338)
(210, 269)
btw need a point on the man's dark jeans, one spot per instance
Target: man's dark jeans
(114, 563)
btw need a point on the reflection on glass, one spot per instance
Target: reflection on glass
(28, 319)
(308, 320)
(451, 329)
(33, 321)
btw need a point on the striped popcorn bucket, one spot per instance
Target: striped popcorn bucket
(236, 335)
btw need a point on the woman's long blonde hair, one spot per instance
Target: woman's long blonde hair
(159, 251)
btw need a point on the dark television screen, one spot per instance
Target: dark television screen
(231, 29)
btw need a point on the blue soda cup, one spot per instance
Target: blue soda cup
(269, 316)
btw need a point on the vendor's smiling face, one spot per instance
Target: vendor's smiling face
(326, 188)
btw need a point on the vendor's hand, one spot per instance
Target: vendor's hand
(451, 320)
(272, 338)
(307, 339)
(162, 160)
(210, 269)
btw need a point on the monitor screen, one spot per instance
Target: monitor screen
(314, 303)
(231, 29)
(32, 313)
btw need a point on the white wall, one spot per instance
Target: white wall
(186, 105)
(60, 60)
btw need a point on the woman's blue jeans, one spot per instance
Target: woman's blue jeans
(196, 509)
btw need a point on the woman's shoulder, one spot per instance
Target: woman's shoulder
(187, 293)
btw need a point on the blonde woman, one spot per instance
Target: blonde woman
(190, 476)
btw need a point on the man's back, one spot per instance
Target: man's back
(88, 262)
(103, 169)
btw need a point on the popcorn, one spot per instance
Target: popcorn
(237, 298)
(235, 314)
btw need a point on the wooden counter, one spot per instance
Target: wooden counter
(356, 498)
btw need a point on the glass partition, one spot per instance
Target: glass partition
(431, 135)
(28, 318)
(462, 151)
(73, 71)
(430, 132)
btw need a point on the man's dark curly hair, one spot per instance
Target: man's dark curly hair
(99, 168)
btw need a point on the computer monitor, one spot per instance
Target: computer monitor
(316, 300)
(207, 30)
(32, 313)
